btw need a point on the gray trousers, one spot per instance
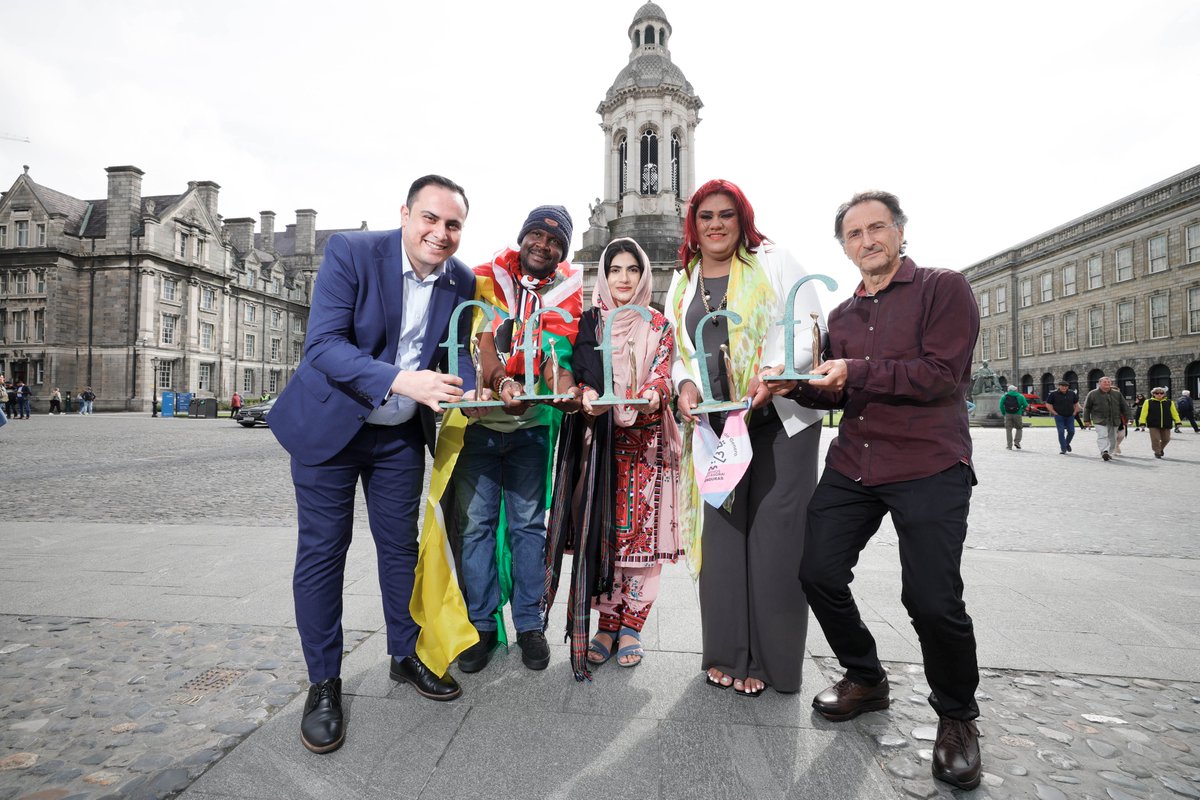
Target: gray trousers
(753, 611)
(1013, 422)
(1106, 436)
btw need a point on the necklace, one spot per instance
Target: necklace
(706, 297)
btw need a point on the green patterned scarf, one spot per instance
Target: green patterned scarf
(751, 296)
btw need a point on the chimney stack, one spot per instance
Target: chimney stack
(241, 234)
(268, 230)
(306, 231)
(124, 203)
(207, 191)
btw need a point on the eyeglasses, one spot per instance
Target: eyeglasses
(874, 230)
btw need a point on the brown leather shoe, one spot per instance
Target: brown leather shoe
(847, 699)
(956, 757)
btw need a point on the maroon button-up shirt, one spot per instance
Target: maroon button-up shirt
(908, 352)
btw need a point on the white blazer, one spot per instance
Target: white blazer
(782, 271)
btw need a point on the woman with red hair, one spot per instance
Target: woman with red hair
(753, 612)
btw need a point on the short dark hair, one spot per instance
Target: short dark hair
(435, 180)
(899, 218)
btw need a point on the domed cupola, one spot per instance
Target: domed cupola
(649, 113)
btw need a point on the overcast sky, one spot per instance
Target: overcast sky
(992, 121)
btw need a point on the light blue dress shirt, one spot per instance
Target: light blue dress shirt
(417, 295)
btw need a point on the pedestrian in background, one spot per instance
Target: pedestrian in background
(23, 394)
(56, 401)
(235, 405)
(1104, 409)
(1138, 401)
(1064, 406)
(86, 398)
(1160, 418)
(1012, 409)
(1186, 409)
(10, 400)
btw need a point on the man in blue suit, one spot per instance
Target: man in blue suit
(361, 408)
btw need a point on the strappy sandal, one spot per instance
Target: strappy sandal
(630, 649)
(716, 684)
(599, 649)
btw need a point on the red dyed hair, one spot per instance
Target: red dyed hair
(752, 237)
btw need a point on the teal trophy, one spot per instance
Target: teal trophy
(709, 405)
(609, 398)
(452, 347)
(789, 323)
(528, 346)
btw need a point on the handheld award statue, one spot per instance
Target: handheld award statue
(609, 398)
(709, 405)
(451, 345)
(528, 346)
(789, 323)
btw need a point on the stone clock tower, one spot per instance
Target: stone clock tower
(649, 117)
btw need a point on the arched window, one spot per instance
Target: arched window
(662, 36)
(676, 153)
(1160, 375)
(1191, 378)
(637, 38)
(622, 164)
(1072, 379)
(1047, 384)
(649, 34)
(1127, 382)
(1094, 377)
(1026, 383)
(649, 162)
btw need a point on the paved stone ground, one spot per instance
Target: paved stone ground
(147, 645)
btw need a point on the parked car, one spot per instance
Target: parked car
(1036, 407)
(249, 416)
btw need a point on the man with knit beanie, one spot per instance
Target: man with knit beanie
(507, 451)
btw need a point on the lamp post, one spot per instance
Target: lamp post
(154, 387)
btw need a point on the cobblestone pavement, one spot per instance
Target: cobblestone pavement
(106, 708)
(1048, 736)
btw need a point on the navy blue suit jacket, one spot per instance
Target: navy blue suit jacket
(353, 331)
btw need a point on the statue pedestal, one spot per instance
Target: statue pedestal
(987, 411)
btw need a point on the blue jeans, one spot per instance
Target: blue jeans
(514, 464)
(1066, 431)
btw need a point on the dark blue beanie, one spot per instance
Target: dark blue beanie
(554, 220)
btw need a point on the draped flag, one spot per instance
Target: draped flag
(720, 463)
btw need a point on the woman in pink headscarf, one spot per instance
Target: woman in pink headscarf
(614, 504)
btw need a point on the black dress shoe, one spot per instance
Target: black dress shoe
(476, 657)
(956, 759)
(535, 651)
(847, 699)
(410, 670)
(321, 728)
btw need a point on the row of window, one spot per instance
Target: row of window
(208, 339)
(27, 325)
(1093, 274)
(21, 235)
(1158, 310)
(17, 281)
(165, 378)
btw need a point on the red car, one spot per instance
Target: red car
(1036, 407)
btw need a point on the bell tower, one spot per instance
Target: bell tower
(648, 117)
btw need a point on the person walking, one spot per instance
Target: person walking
(1012, 409)
(1138, 401)
(86, 400)
(1064, 406)
(1104, 408)
(55, 401)
(235, 404)
(1186, 409)
(1160, 418)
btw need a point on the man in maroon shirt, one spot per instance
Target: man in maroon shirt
(899, 366)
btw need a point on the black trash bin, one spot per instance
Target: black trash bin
(203, 408)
